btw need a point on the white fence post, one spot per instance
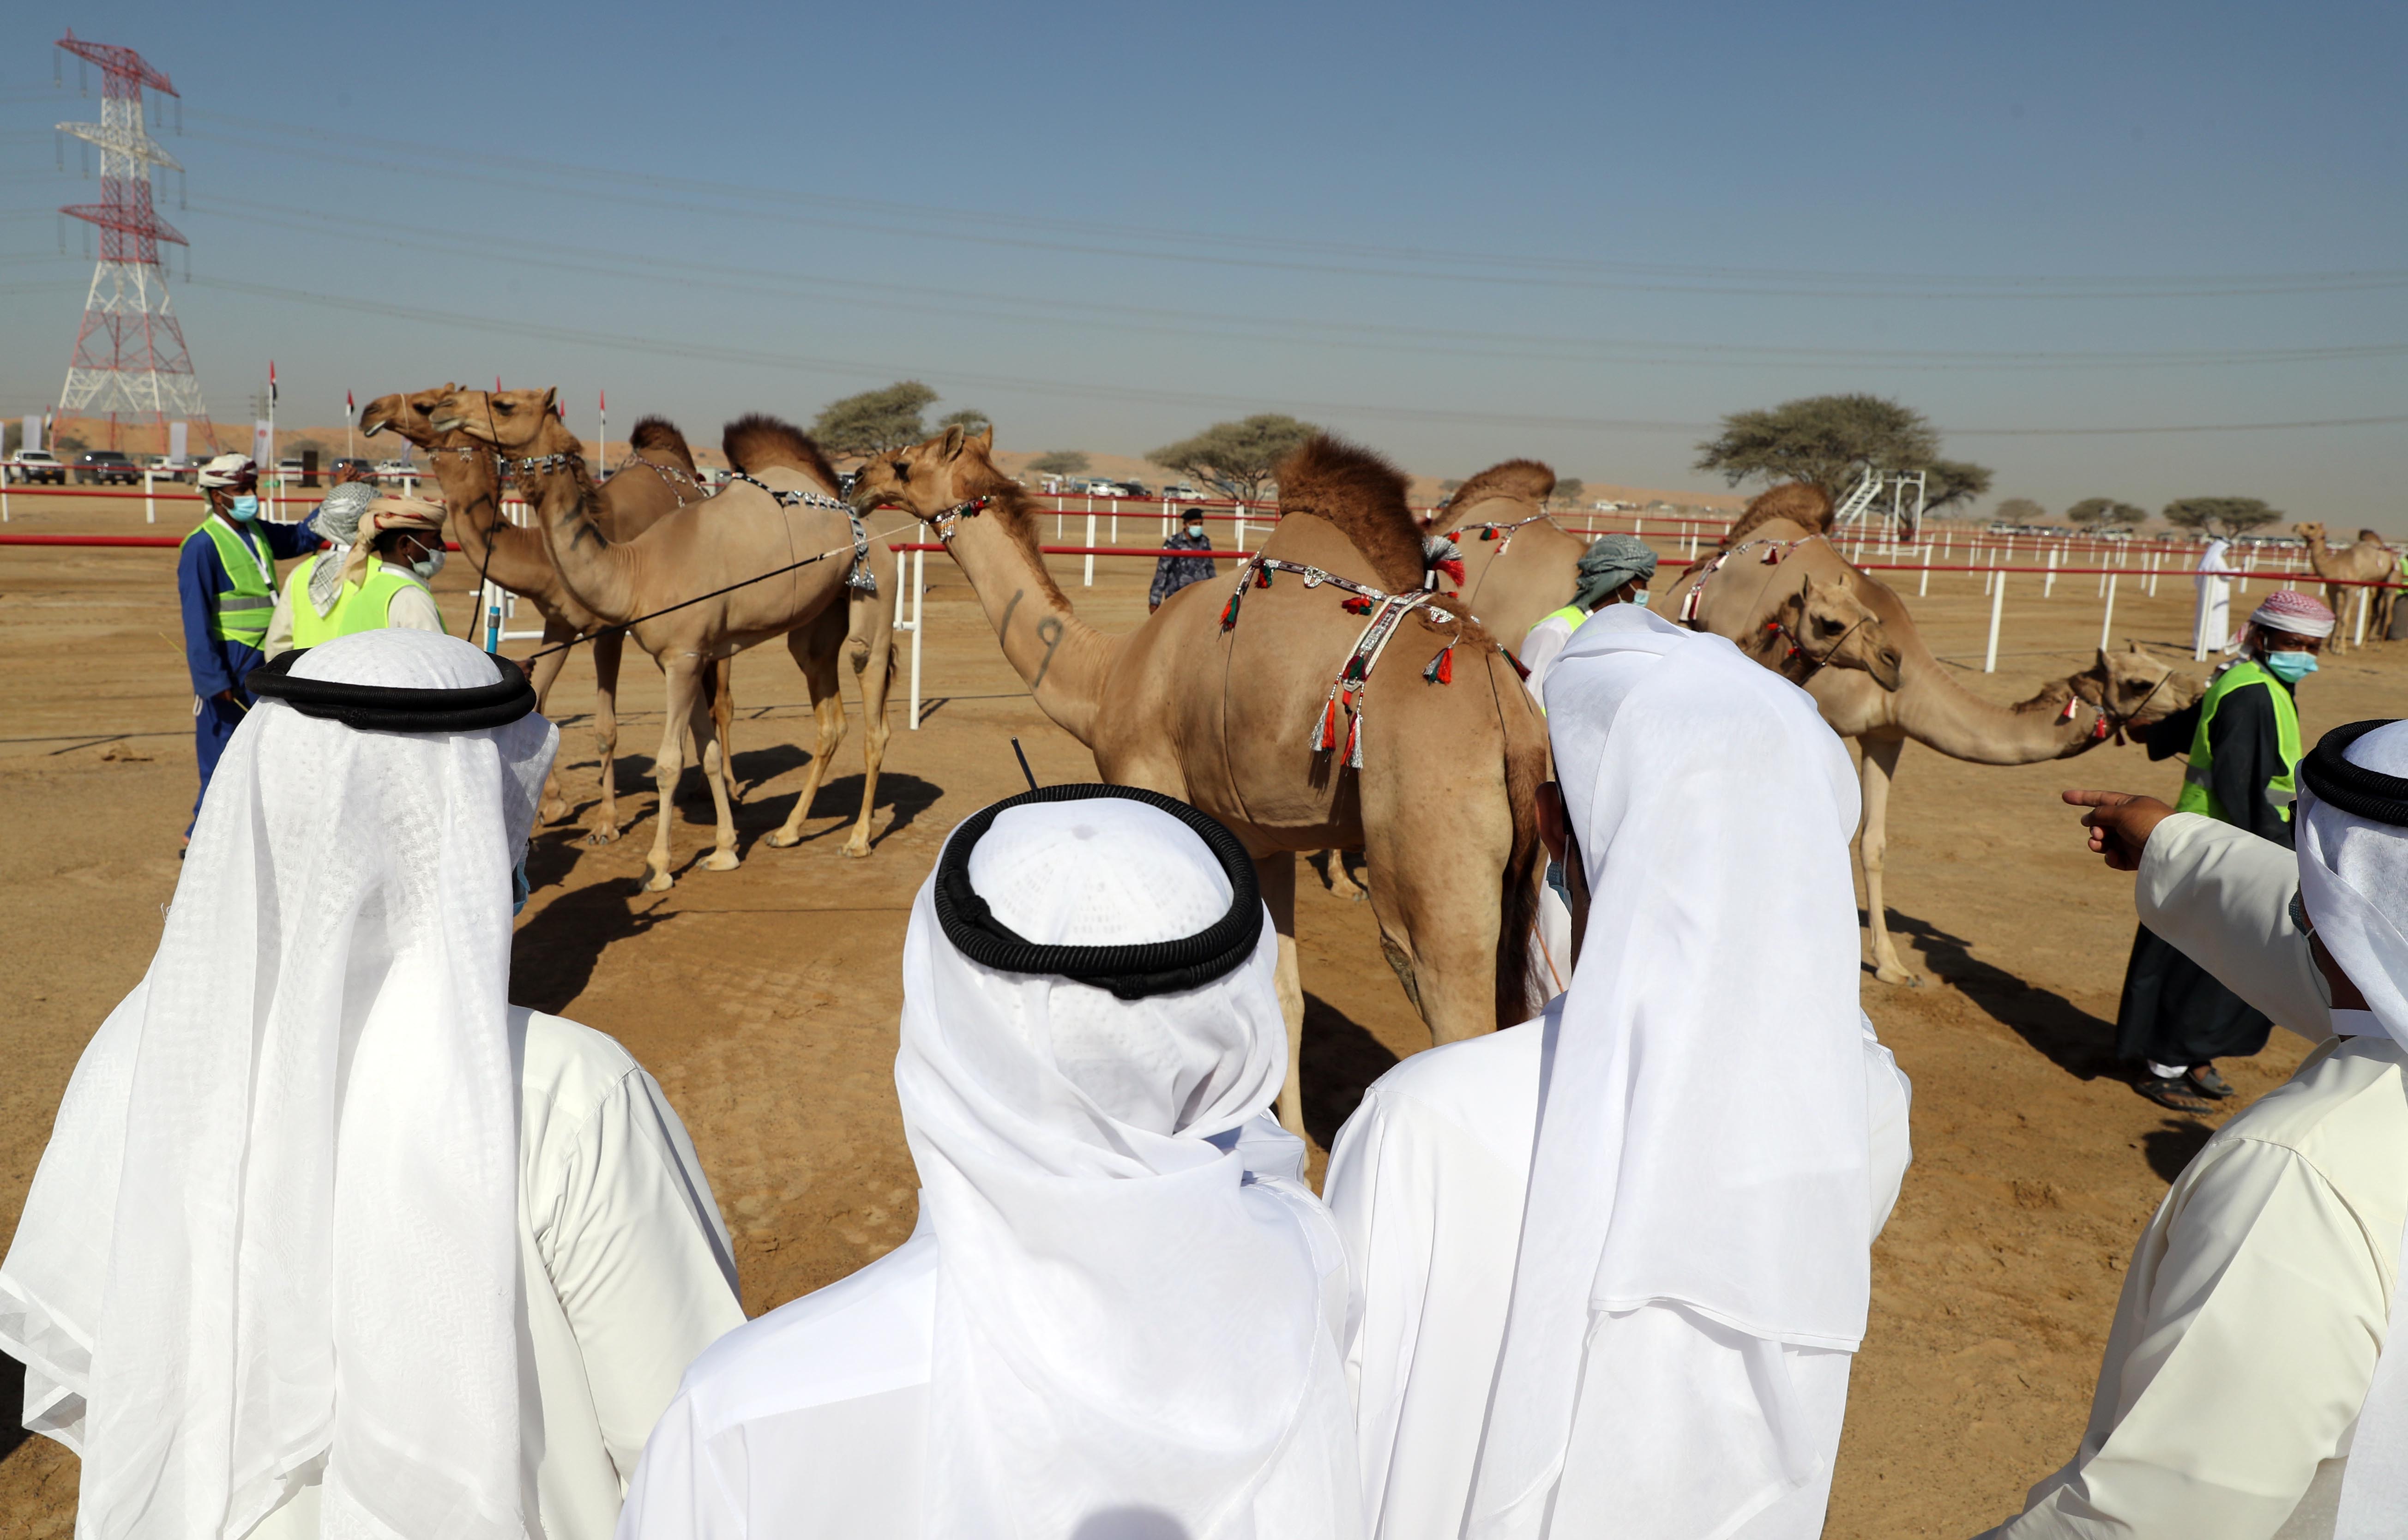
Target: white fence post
(2108, 620)
(2365, 597)
(919, 618)
(2048, 584)
(1241, 526)
(1922, 584)
(149, 501)
(1998, 601)
(1116, 520)
(1090, 581)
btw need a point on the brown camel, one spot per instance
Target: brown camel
(1519, 567)
(2067, 717)
(785, 521)
(2369, 561)
(1231, 714)
(514, 558)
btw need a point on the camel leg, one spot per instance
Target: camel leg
(545, 673)
(712, 754)
(1276, 876)
(602, 825)
(815, 647)
(722, 718)
(1873, 850)
(873, 665)
(685, 685)
(1335, 877)
(1438, 927)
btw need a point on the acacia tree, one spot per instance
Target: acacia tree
(1832, 440)
(1059, 462)
(1567, 490)
(1237, 458)
(970, 420)
(2097, 512)
(2220, 514)
(2018, 510)
(874, 420)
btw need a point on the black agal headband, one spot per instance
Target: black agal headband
(392, 708)
(1132, 972)
(2370, 794)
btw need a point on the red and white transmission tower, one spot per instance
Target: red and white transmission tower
(130, 357)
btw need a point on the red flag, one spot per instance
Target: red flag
(271, 381)
(497, 383)
(605, 397)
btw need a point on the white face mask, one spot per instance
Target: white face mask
(428, 565)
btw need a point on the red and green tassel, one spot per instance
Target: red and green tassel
(1441, 668)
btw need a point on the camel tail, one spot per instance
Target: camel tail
(757, 440)
(1517, 906)
(659, 435)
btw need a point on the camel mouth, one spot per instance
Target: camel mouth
(449, 425)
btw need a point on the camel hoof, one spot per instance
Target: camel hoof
(854, 849)
(722, 860)
(553, 811)
(1898, 975)
(784, 839)
(601, 834)
(658, 882)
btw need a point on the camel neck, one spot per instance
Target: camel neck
(1936, 710)
(494, 548)
(598, 573)
(1062, 659)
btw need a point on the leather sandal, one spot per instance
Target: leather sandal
(2204, 1080)
(2175, 1092)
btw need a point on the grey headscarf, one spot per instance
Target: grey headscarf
(339, 520)
(1609, 561)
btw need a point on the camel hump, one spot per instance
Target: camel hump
(1364, 495)
(658, 436)
(1802, 503)
(757, 440)
(1530, 481)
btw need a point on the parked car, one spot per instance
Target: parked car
(1179, 492)
(106, 466)
(32, 466)
(289, 469)
(385, 468)
(348, 463)
(1108, 489)
(171, 467)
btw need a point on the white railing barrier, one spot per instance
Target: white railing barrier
(1089, 580)
(2048, 584)
(149, 499)
(1998, 601)
(2107, 622)
(918, 620)
(1922, 584)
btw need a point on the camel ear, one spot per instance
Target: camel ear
(2132, 646)
(951, 448)
(550, 397)
(1806, 590)
(984, 438)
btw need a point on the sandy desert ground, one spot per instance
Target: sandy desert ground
(765, 999)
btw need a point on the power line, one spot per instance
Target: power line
(801, 364)
(1273, 330)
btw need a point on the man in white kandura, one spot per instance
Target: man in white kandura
(1656, 1346)
(1118, 1317)
(331, 1238)
(2246, 1391)
(2211, 618)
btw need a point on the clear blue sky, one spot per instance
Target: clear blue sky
(1579, 232)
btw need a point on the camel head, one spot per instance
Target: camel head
(512, 421)
(2313, 533)
(2133, 688)
(1825, 625)
(953, 470)
(410, 416)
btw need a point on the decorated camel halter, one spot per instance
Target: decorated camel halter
(860, 577)
(1778, 552)
(681, 481)
(1343, 704)
(1502, 533)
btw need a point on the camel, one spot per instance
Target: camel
(1519, 566)
(2066, 717)
(2369, 561)
(785, 520)
(1224, 697)
(515, 558)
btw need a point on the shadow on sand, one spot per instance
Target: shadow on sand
(2072, 1039)
(553, 956)
(1340, 1059)
(2171, 1144)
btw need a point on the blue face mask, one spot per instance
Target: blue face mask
(1639, 598)
(519, 886)
(2290, 667)
(245, 508)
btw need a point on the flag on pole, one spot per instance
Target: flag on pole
(351, 408)
(271, 382)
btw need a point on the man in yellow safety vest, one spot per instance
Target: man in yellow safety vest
(225, 578)
(2243, 744)
(1614, 570)
(375, 575)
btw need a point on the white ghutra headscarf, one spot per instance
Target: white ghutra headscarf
(272, 1238)
(2354, 883)
(1703, 1136)
(1131, 1335)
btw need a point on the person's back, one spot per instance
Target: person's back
(1119, 1316)
(327, 1233)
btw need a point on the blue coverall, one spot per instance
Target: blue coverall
(218, 667)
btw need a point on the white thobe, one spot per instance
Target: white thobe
(626, 1273)
(2212, 622)
(812, 1423)
(2259, 1296)
(1539, 649)
(1427, 1180)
